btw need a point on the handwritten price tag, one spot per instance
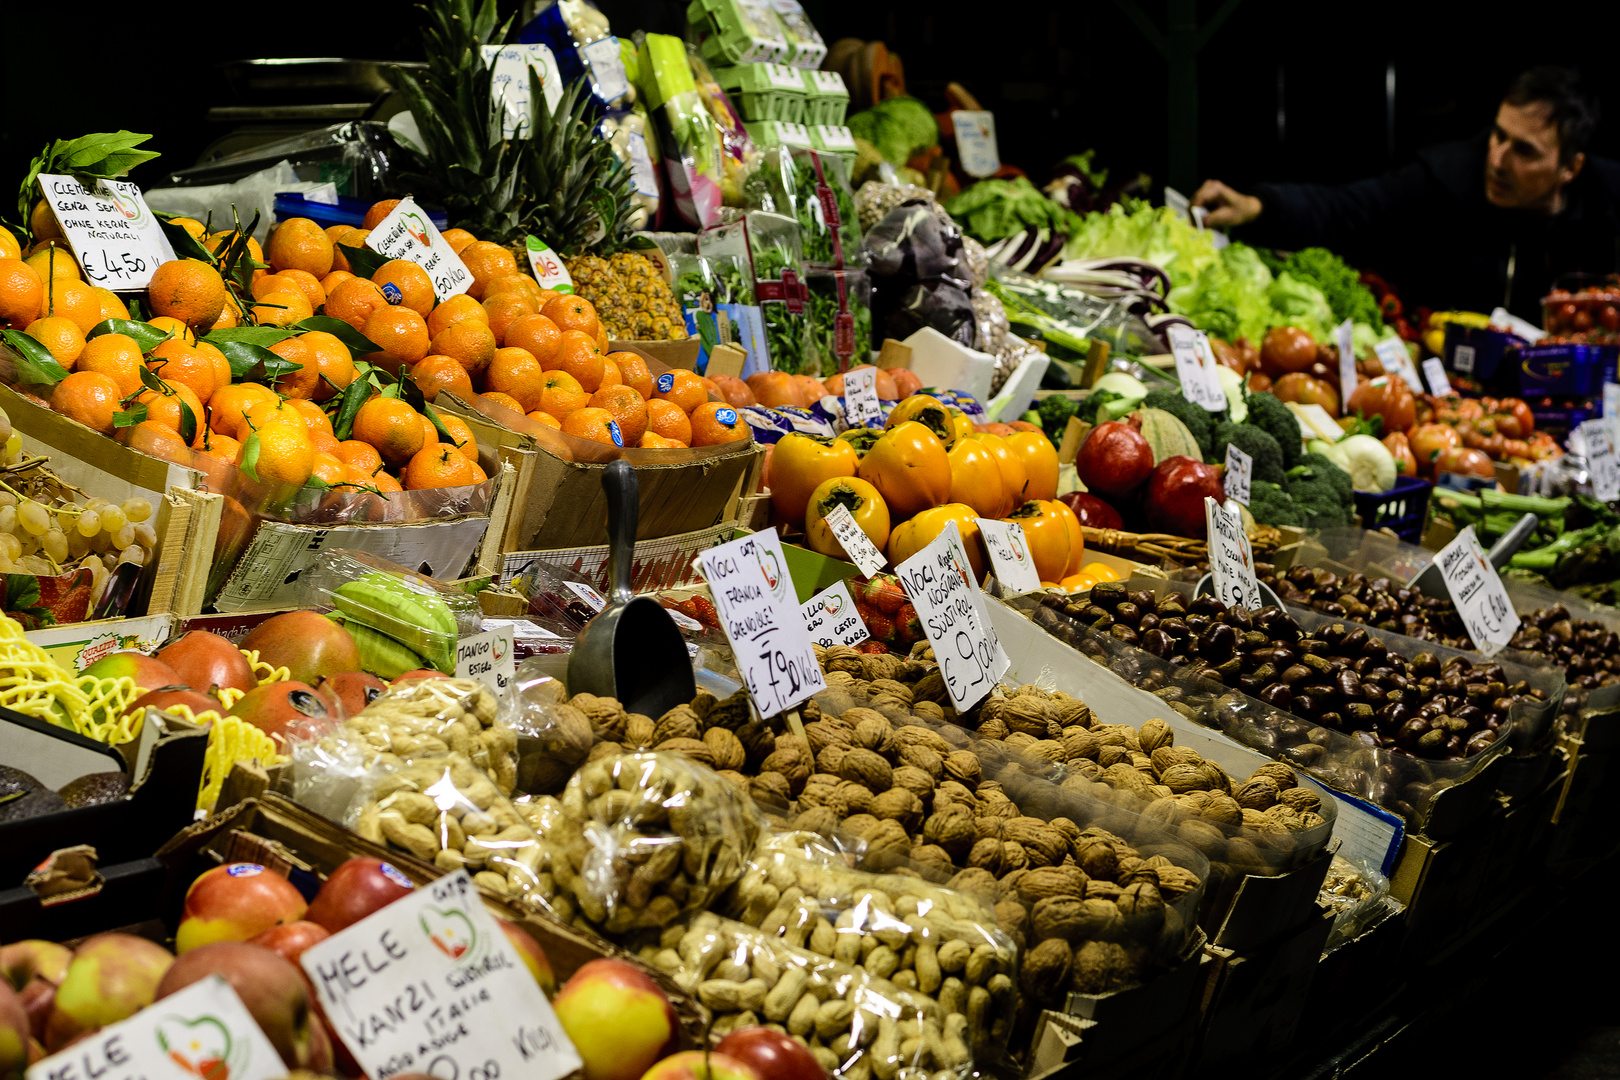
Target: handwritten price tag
(1009, 554)
(938, 580)
(509, 83)
(431, 984)
(753, 596)
(853, 539)
(488, 658)
(1239, 470)
(860, 398)
(1345, 333)
(830, 618)
(976, 142)
(1231, 561)
(1397, 361)
(116, 238)
(406, 233)
(1195, 367)
(1476, 588)
(1435, 372)
(1598, 438)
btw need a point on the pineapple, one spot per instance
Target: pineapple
(595, 280)
(654, 314)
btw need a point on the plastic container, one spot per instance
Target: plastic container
(1566, 369)
(806, 47)
(346, 211)
(813, 188)
(840, 311)
(583, 43)
(826, 95)
(942, 361)
(1402, 509)
(770, 243)
(1592, 312)
(738, 31)
(769, 133)
(1477, 352)
(418, 617)
(835, 139)
(766, 91)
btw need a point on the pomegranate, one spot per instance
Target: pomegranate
(1285, 349)
(1092, 511)
(1115, 458)
(1174, 500)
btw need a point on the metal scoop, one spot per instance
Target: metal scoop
(1432, 583)
(632, 649)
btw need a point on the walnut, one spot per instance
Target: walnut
(929, 709)
(695, 749)
(974, 881)
(703, 702)
(758, 740)
(1143, 910)
(1047, 881)
(952, 829)
(921, 735)
(862, 825)
(606, 715)
(873, 732)
(898, 804)
(932, 863)
(1007, 884)
(887, 846)
(931, 687)
(924, 758)
(1057, 917)
(994, 804)
(1125, 777)
(678, 723)
(770, 788)
(1310, 820)
(1257, 793)
(881, 667)
(1101, 967)
(1098, 889)
(1184, 778)
(602, 750)
(817, 820)
(994, 730)
(1224, 810)
(1071, 712)
(915, 781)
(1166, 756)
(828, 731)
(1204, 836)
(1285, 816)
(1013, 857)
(867, 768)
(731, 713)
(844, 658)
(1279, 773)
(1097, 857)
(1301, 800)
(791, 760)
(1154, 734)
(639, 731)
(963, 767)
(1119, 735)
(726, 748)
(1019, 740)
(1047, 750)
(1176, 882)
(1109, 756)
(1045, 845)
(1046, 971)
(828, 760)
(1028, 714)
(856, 798)
(1218, 780)
(892, 688)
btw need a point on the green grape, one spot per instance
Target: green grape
(55, 544)
(8, 519)
(10, 547)
(133, 554)
(113, 519)
(13, 446)
(7, 499)
(89, 523)
(123, 536)
(146, 536)
(137, 509)
(35, 518)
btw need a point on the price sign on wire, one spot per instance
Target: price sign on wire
(938, 580)
(1397, 361)
(976, 142)
(115, 236)
(1476, 588)
(1239, 469)
(860, 397)
(487, 658)
(1435, 372)
(431, 984)
(1010, 555)
(1598, 438)
(1231, 562)
(406, 233)
(853, 539)
(1345, 333)
(753, 596)
(830, 618)
(509, 83)
(1195, 367)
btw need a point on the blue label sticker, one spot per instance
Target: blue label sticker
(727, 417)
(613, 430)
(666, 382)
(391, 293)
(246, 869)
(392, 874)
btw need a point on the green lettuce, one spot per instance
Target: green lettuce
(1157, 234)
(993, 210)
(896, 128)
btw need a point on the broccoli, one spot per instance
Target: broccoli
(1054, 411)
(1322, 490)
(1272, 505)
(1273, 417)
(1090, 408)
(1258, 444)
(1193, 416)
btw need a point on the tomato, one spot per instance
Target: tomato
(1405, 463)
(1428, 440)
(1048, 537)
(914, 535)
(910, 467)
(927, 411)
(1458, 459)
(863, 502)
(1306, 389)
(1078, 583)
(799, 465)
(976, 479)
(1014, 476)
(1521, 412)
(1388, 397)
(1077, 535)
(1040, 462)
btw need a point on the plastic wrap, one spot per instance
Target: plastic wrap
(402, 620)
(770, 243)
(806, 48)
(629, 132)
(874, 200)
(716, 293)
(919, 278)
(738, 154)
(840, 310)
(582, 40)
(739, 31)
(812, 188)
(1355, 894)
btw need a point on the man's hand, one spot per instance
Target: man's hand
(1226, 207)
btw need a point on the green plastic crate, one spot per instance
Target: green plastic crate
(834, 139)
(769, 133)
(766, 91)
(738, 31)
(827, 96)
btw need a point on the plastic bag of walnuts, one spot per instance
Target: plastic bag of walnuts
(858, 1025)
(642, 839)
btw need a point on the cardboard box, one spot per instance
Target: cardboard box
(75, 646)
(125, 894)
(1256, 1000)
(1442, 881)
(681, 354)
(1123, 1022)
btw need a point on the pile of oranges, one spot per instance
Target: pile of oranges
(507, 342)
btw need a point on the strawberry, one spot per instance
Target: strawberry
(890, 597)
(872, 647)
(908, 624)
(880, 627)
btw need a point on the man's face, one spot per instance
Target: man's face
(1522, 167)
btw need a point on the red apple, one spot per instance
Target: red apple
(1114, 459)
(533, 956)
(1174, 499)
(357, 888)
(772, 1054)
(273, 990)
(111, 978)
(289, 940)
(702, 1065)
(23, 961)
(308, 644)
(207, 662)
(617, 1018)
(234, 902)
(14, 1034)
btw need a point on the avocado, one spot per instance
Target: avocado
(31, 804)
(93, 788)
(15, 782)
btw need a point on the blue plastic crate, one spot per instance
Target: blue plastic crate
(346, 211)
(1402, 509)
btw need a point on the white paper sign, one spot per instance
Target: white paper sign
(1177, 203)
(860, 397)
(1435, 372)
(1231, 562)
(830, 618)
(1476, 589)
(406, 233)
(201, 1031)
(753, 595)
(1397, 361)
(856, 544)
(938, 580)
(487, 657)
(431, 984)
(1010, 555)
(1611, 409)
(116, 237)
(976, 142)
(1598, 438)
(1195, 367)
(509, 83)
(1345, 333)
(1239, 470)
(643, 177)
(607, 68)
(587, 594)
(546, 266)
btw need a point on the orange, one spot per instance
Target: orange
(547, 296)
(195, 228)
(435, 373)
(602, 341)
(21, 292)
(546, 419)
(385, 483)
(307, 283)
(61, 336)
(516, 372)
(334, 279)
(377, 211)
(579, 356)
(561, 394)
(354, 477)
(42, 221)
(461, 435)
(458, 239)
(571, 312)
(354, 300)
(405, 283)
(327, 469)
(189, 290)
(261, 411)
(176, 362)
(226, 406)
(539, 335)
(353, 238)
(484, 261)
(74, 300)
(300, 244)
(9, 248)
(153, 438)
(270, 283)
(174, 328)
(328, 367)
(665, 418)
(651, 441)
(222, 366)
(315, 419)
(322, 441)
(336, 233)
(165, 408)
(219, 446)
(230, 315)
(89, 397)
(505, 401)
(116, 356)
(285, 455)
(598, 425)
(391, 426)
(458, 307)
(715, 422)
(400, 334)
(469, 342)
(683, 388)
(111, 306)
(633, 370)
(359, 455)
(430, 434)
(627, 407)
(506, 309)
(283, 307)
(518, 282)
(611, 376)
(437, 467)
(53, 259)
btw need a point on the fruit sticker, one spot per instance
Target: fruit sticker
(728, 417)
(388, 871)
(666, 382)
(201, 1047)
(450, 931)
(245, 869)
(613, 430)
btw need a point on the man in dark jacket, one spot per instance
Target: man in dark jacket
(1493, 220)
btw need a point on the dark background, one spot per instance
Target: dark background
(1060, 77)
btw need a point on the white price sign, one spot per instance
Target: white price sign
(1010, 555)
(431, 984)
(938, 580)
(1195, 367)
(830, 618)
(753, 596)
(1598, 438)
(117, 239)
(1239, 470)
(607, 68)
(1397, 361)
(1611, 408)
(976, 142)
(644, 178)
(1345, 333)
(509, 83)
(406, 233)
(201, 1031)
(587, 594)
(1435, 372)
(853, 539)
(860, 397)
(1231, 562)
(487, 658)
(1476, 589)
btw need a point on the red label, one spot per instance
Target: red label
(794, 292)
(844, 337)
